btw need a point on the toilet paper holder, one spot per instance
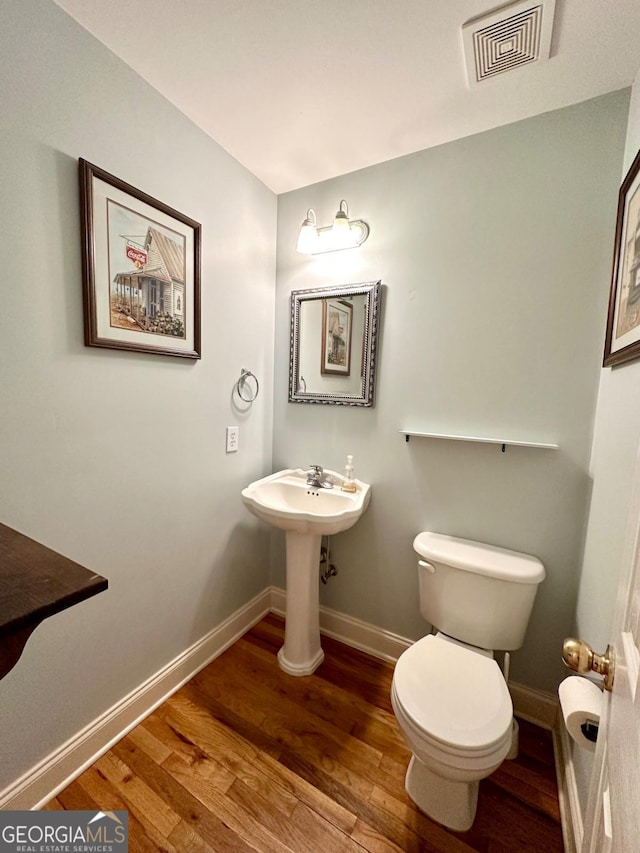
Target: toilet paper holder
(590, 730)
(580, 657)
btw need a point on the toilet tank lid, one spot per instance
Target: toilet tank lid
(479, 557)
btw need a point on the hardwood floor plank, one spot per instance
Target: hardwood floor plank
(331, 779)
(341, 708)
(318, 832)
(280, 775)
(385, 823)
(218, 735)
(395, 770)
(279, 739)
(148, 807)
(357, 672)
(207, 825)
(153, 746)
(281, 710)
(215, 739)
(253, 831)
(507, 825)
(321, 741)
(372, 841)
(364, 675)
(195, 724)
(529, 790)
(268, 633)
(247, 758)
(142, 832)
(186, 840)
(157, 725)
(303, 735)
(303, 831)
(75, 798)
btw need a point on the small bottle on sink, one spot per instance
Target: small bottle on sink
(349, 484)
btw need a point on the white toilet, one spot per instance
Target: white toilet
(448, 693)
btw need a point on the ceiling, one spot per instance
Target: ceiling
(303, 90)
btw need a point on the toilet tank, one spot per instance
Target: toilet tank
(477, 593)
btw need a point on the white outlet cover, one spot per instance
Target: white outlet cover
(232, 439)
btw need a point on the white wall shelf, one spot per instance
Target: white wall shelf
(504, 442)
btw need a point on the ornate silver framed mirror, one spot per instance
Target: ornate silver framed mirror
(334, 336)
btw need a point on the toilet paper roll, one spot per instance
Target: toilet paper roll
(581, 702)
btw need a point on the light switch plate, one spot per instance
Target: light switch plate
(232, 438)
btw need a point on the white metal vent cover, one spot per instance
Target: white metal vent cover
(507, 38)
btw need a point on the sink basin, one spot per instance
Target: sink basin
(285, 500)
(306, 514)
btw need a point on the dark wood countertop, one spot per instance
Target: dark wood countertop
(36, 582)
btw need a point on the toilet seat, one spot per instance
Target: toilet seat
(453, 697)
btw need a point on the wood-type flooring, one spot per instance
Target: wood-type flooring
(247, 758)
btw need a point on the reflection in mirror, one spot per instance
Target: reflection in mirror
(334, 333)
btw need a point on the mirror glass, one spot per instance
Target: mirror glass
(334, 332)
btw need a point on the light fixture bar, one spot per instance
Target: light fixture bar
(344, 233)
(358, 233)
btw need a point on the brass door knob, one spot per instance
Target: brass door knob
(580, 657)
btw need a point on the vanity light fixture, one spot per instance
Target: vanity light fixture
(344, 233)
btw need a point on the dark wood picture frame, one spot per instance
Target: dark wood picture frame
(337, 323)
(140, 269)
(622, 341)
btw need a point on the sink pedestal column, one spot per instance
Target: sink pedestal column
(302, 653)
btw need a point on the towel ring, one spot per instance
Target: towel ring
(244, 375)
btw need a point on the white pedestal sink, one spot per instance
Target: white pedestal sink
(306, 514)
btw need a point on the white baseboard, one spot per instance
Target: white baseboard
(534, 705)
(570, 809)
(353, 632)
(543, 709)
(63, 765)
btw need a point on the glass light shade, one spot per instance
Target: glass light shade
(308, 236)
(341, 236)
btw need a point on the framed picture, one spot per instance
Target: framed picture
(623, 322)
(141, 269)
(336, 337)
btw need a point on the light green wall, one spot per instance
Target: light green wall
(495, 254)
(615, 449)
(116, 459)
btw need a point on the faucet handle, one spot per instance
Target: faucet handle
(317, 469)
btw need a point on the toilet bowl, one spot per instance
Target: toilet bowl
(454, 709)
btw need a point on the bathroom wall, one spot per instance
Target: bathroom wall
(495, 255)
(117, 459)
(613, 459)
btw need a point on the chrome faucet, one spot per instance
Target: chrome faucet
(317, 479)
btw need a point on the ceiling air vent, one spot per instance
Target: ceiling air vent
(507, 38)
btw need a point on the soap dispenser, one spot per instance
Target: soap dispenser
(349, 484)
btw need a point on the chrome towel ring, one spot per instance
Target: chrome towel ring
(250, 393)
